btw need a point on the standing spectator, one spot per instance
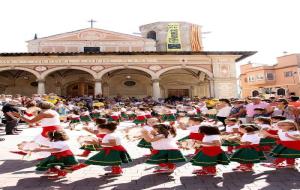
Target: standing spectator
(223, 108)
(11, 121)
(294, 101)
(256, 103)
(284, 109)
(238, 110)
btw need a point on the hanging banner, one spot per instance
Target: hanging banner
(173, 37)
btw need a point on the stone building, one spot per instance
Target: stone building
(271, 80)
(166, 60)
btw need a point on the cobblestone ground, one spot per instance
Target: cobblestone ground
(19, 173)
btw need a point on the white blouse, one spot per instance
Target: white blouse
(229, 129)
(61, 145)
(211, 138)
(194, 128)
(112, 136)
(165, 144)
(253, 138)
(283, 135)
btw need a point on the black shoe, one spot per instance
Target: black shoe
(18, 130)
(12, 133)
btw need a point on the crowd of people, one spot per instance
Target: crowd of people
(221, 131)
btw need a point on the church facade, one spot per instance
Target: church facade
(167, 59)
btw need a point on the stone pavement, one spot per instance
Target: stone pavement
(17, 173)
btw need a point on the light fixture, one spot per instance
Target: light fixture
(128, 76)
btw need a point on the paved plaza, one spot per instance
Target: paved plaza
(19, 173)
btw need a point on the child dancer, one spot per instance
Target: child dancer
(115, 115)
(232, 127)
(100, 135)
(140, 117)
(85, 116)
(248, 152)
(149, 127)
(266, 142)
(288, 149)
(193, 126)
(210, 153)
(96, 113)
(61, 156)
(165, 150)
(112, 153)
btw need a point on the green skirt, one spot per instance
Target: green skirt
(124, 116)
(184, 138)
(91, 147)
(52, 161)
(113, 158)
(281, 151)
(136, 121)
(168, 117)
(166, 156)
(74, 121)
(85, 118)
(230, 143)
(247, 155)
(144, 144)
(267, 141)
(203, 160)
(95, 115)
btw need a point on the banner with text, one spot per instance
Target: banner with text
(173, 37)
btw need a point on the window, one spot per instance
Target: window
(251, 78)
(129, 83)
(270, 76)
(91, 49)
(288, 74)
(260, 77)
(151, 35)
(281, 92)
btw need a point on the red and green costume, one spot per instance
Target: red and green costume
(110, 156)
(286, 149)
(85, 118)
(248, 154)
(114, 118)
(95, 115)
(268, 142)
(93, 147)
(144, 144)
(166, 156)
(64, 159)
(141, 119)
(194, 136)
(168, 117)
(210, 156)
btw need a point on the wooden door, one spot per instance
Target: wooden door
(178, 92)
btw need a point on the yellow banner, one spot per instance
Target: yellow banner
(173, 37)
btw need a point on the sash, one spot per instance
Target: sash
(28, 114)
(211, 150)
(141, 118)
(117, 148)
(101, 135)
(272, 132)
(62, 154)
(295, 145)
(251, 146)
(47, 129)
(115, 117)
(196, 136)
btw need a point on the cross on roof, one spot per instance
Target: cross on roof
(92, 22)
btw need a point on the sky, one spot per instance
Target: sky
(270, 27)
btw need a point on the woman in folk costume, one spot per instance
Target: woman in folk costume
(140, 117)
(232, 128)
(210, 153)
(99, 134)
(165, 150)
(193, 126)
(249, 151)
(264, 124)
(168, 115)
(85, 116)
(112, 153)
(48, 120)
(74, 119)
(115, 115)
(288, 148)
(96, 113)
(149, 127)
(61, 156)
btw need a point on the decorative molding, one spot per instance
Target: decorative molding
(97, 68)
(40, 68)
(155, 67)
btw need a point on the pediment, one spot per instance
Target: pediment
(92, 34)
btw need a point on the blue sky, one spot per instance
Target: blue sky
(269, 27)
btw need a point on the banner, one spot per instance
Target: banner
(173, 37)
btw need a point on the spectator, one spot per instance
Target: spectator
(11, 121)
(256, 103)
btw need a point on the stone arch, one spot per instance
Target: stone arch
(148, 71)
(160, 72)
(35, 73)
(46, 73)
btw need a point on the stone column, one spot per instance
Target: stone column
(98, 87)
(211, 88)
(156, 89)
(41, 87)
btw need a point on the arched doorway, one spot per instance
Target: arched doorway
(127, 83)
(70, 82)
(185, 82)
(80, 89)
(18, 82)
(255, 93)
